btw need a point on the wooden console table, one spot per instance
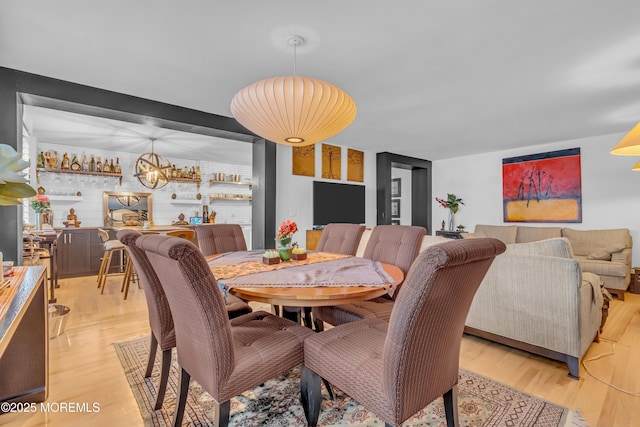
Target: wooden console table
(24, 337)
(449, 234)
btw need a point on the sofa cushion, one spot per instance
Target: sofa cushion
(602, 268)
(506, 233)
(557, 247)
(533, 234)
(584, 242)
(600, 254)
(432, 240)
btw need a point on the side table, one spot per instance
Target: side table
(634, 286)
(449, 234)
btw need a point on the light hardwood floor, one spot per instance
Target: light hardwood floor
(84, 367)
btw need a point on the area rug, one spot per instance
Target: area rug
(481, 401)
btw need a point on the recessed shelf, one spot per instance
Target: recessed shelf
(215, 181)
(72, 172)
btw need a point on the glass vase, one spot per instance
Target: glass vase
(451, 220)
(38, 227)
(283, 242)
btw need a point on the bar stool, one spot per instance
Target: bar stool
(110, 246)
(130, 272)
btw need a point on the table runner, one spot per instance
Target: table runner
(319, 269)
(6, 295)
(242, 263)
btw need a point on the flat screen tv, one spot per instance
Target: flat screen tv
(333, 202)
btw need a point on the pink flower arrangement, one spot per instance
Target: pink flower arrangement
(287, 229)
(40, 203)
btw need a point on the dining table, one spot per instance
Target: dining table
(322, 279)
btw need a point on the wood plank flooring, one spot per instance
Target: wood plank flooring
(84, 367)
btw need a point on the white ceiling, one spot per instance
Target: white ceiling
(431, 79)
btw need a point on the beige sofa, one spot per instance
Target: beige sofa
(535, 297)
(606, 253)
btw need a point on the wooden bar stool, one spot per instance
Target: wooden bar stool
(110, 246)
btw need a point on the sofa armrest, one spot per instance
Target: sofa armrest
(623, 257)
(535, 299)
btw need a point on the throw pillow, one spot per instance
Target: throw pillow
(477, 235)
(600, 254)
(616, 247)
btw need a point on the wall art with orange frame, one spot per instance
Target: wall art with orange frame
(544, 187)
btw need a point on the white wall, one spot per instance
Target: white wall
(294, 195)
(610, 189)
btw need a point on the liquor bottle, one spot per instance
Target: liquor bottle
(105, 167)
(113, 168)
(193, 172)
(56, 161)
(99, 165)
(85, 164)
(205, 214)
(198, 173)
(92, 164)
(65, 162)
(174, 171)
(118, 167)
(185, 172)
(41, 160)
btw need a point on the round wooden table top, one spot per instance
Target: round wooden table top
(317, 296)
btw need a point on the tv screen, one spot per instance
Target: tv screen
(333, 202)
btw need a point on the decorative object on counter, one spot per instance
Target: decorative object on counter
(180, 220)
(314, 110)
(443, 225)
(298, 254)
(212, 217)
(271, 256)
(460, 228)
(72, 219)
(39, 204)
(174, 196)
(452, 203)
(283, 239)
(205, 214)
(13, 185)
(151, 169)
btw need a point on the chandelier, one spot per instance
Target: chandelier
(151, 169)
(293, 110)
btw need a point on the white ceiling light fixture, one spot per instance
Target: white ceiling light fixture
(293, 110)
(152, 170)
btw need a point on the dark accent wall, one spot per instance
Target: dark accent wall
(420, 187)
(18, 88)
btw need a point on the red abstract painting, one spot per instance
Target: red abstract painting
(543, 187)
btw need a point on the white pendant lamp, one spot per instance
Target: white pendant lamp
(293, 110)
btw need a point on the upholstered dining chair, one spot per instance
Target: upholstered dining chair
(393, 244)
(160, 319)
(340, 238)
(226, 357)
(408, 362)
(220, 238)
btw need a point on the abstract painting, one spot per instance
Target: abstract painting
(331, 161)
(355, 165)
(304, 160)
(543, 187)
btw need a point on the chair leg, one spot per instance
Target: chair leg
(307, 317)
(101, 272)
(182, 398)
(451, 406)
(222, 413)
(152, 356)
(105, 274)
(128, 272)
(310, 395)
(164, 378)
(319, 325)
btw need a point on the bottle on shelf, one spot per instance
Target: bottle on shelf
(92, 164)
(118, 169)
(85, 164)
(41, 160)
(198, 173)
(174, 171)
(99, 165)
(65, 162)
(112, 167)
(106, 168)
(75, 164)
(205, 214)
(55, 161)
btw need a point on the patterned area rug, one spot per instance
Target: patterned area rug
(481, 401)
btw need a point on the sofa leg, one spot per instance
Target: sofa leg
(574, 364)
(618, 293)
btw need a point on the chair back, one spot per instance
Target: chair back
(104, 235)
(160, 318)
(220, 238)
(422, 348)
(203, 332)
(395, 244)
(183, 234)
(340, 238)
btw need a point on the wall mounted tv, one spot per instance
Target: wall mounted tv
(333, 202)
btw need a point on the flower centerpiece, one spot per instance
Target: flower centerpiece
(13, 185)
(40, 203)
(283, 238)
(452, 203)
